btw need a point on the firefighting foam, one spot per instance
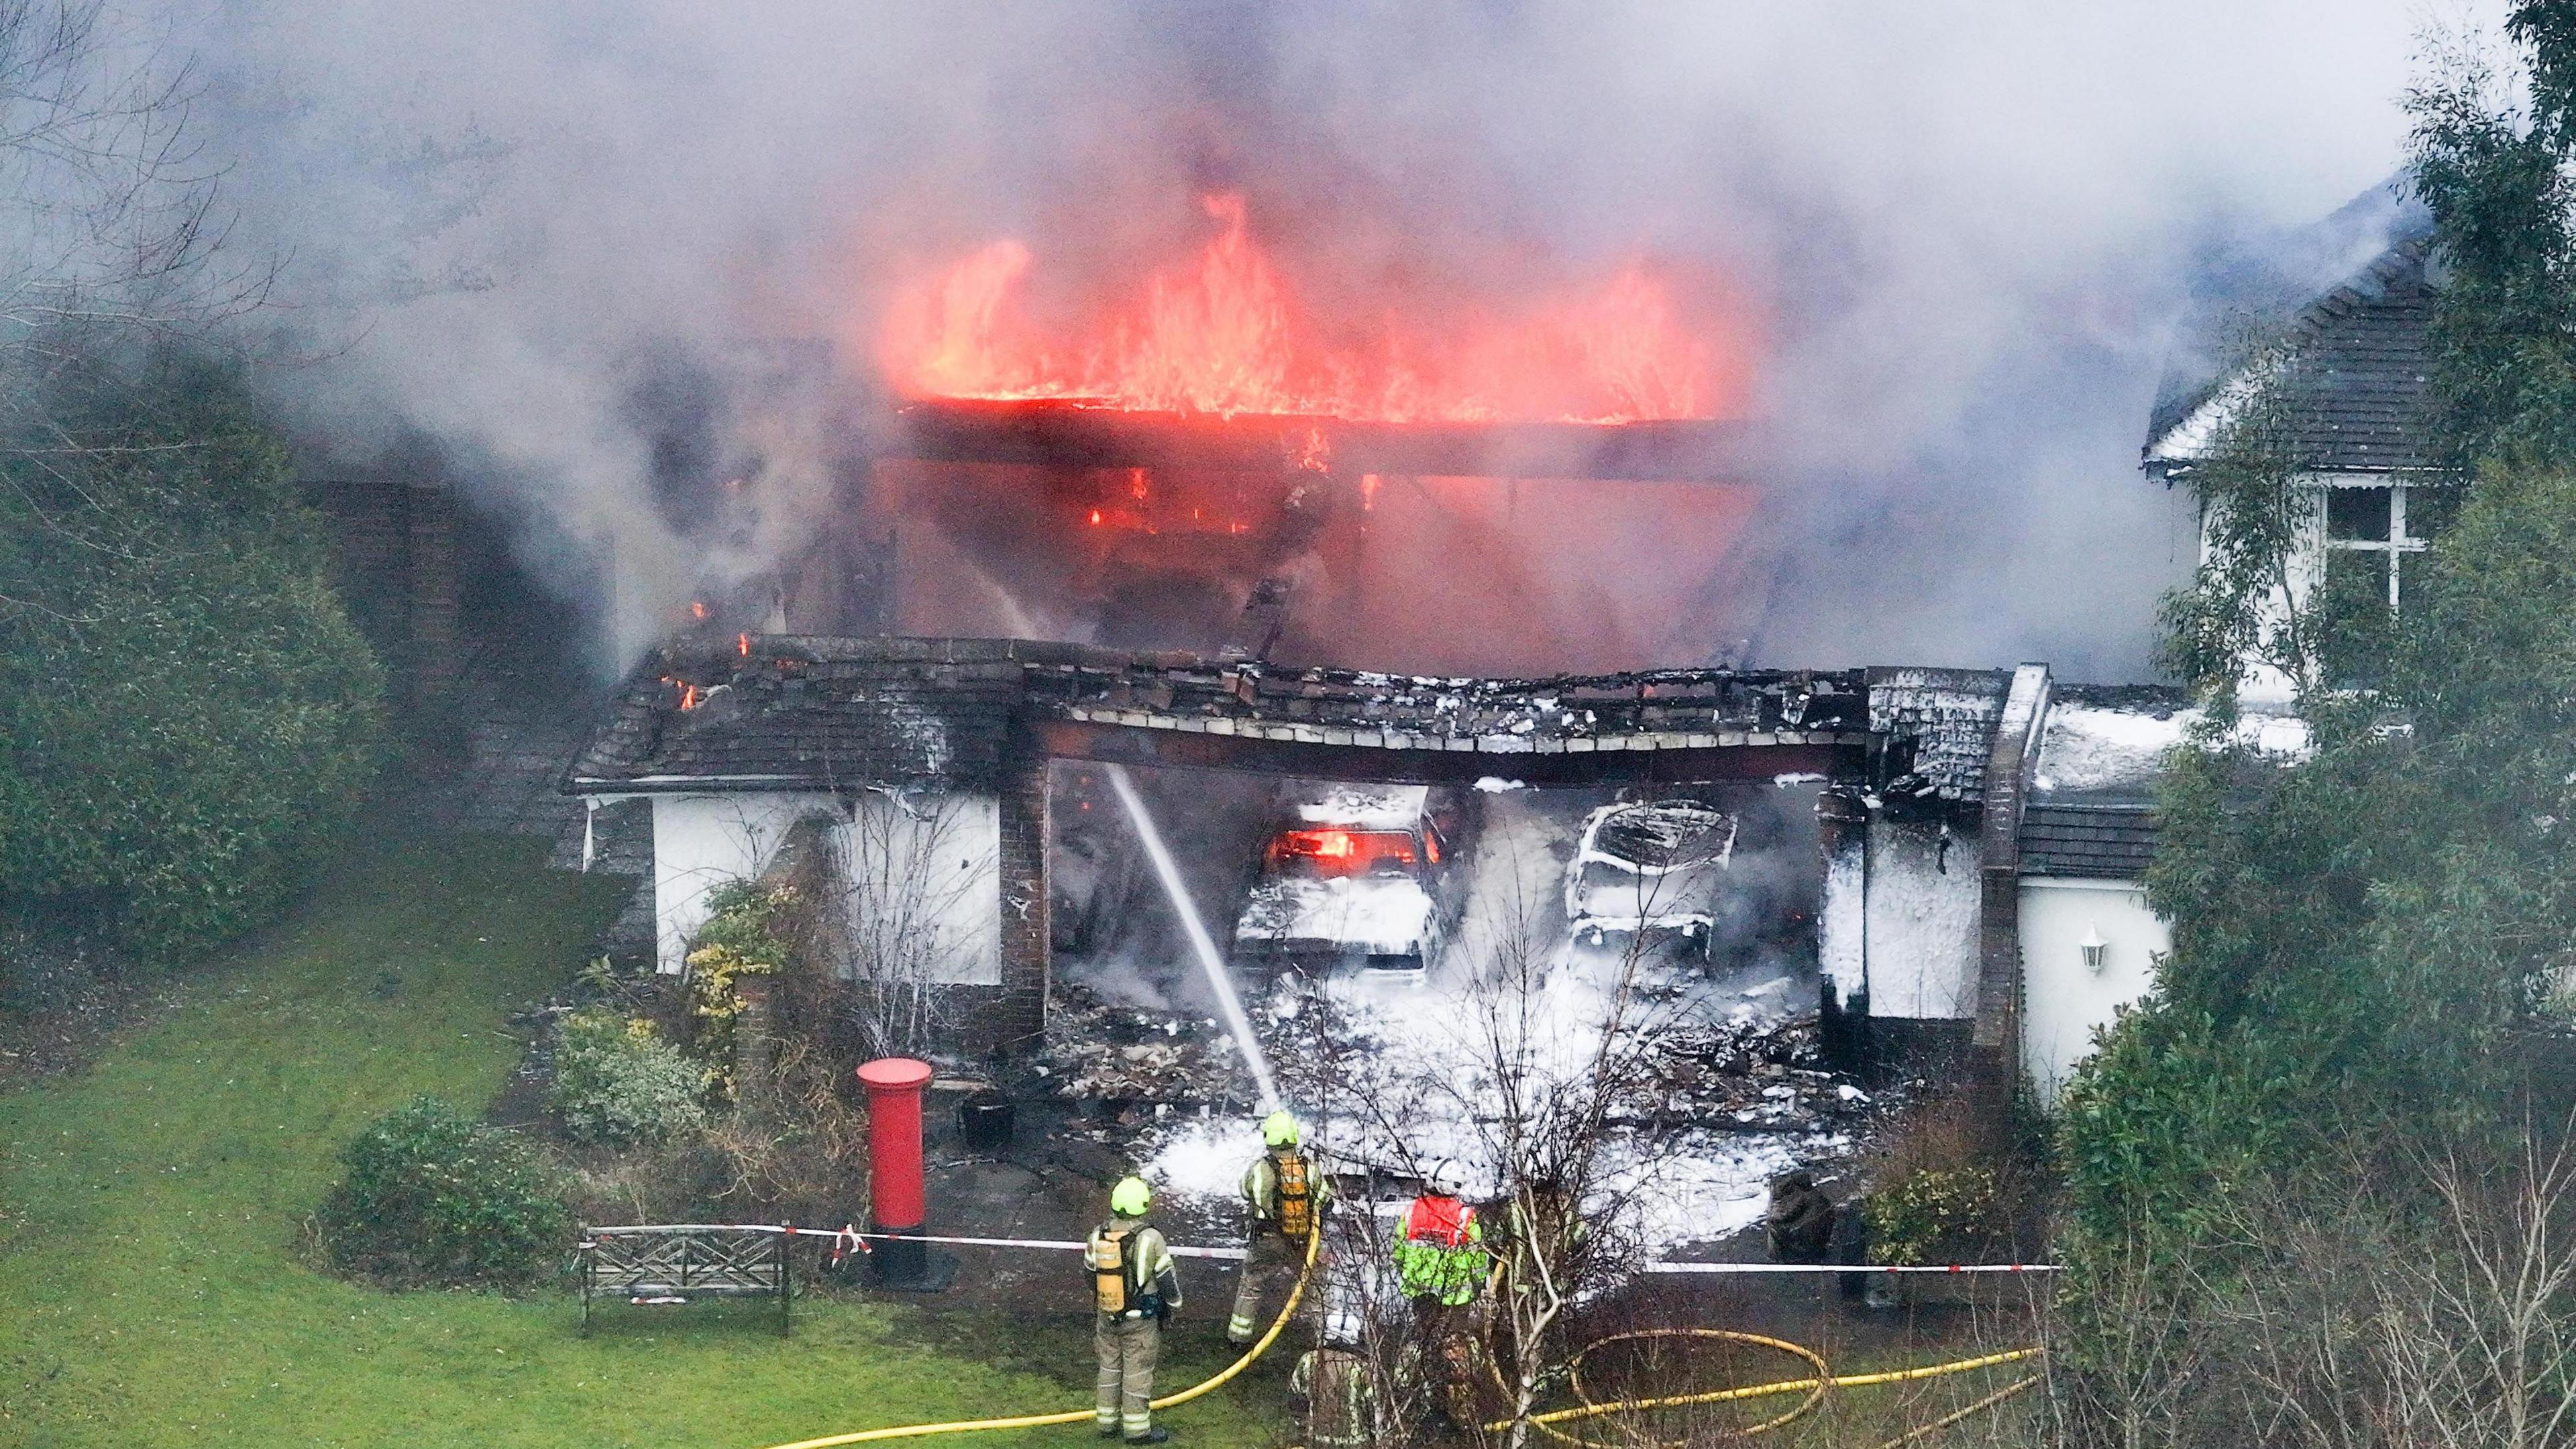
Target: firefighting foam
(1226, 334)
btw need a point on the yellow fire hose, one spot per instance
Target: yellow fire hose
(1946, 1420)
(1813, 1386)
(1314, 1241)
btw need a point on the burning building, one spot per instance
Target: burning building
(1218, 504)
(1202, 459)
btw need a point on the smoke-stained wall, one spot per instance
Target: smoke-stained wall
(1897, 921)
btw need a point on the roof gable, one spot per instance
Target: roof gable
(2357, 378)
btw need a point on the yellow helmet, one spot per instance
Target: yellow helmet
(1279, 1129)
(1131, 1197)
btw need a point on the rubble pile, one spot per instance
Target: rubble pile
(1758, 1076)
(1121, 1059)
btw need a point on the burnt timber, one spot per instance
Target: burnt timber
(800, 713)
(1068, 434)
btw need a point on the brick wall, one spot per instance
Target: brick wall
(1020, 1013)
(394, 560)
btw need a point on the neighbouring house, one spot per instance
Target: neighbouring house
(2350, 371)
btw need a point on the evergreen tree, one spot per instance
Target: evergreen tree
(2362, 938)
(186, 711)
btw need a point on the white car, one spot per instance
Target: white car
(1649, 870)
(1361, 876)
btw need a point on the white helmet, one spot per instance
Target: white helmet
(1342, 1329)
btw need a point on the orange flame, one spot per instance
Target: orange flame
(697, 608)
(1222, 336)
(743, 643)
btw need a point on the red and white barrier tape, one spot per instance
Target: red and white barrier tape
(852, 1236)
(1733, 1268)
(846, 1238)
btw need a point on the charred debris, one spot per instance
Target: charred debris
(1122, 1067)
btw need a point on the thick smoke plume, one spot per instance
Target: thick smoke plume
(608, 260)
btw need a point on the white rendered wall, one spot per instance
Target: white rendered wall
(1841, 909)
(2063, 1001)
(1919, 921)
(702, 841)
(924, 874)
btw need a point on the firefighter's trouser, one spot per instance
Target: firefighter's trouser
(1264, 1259)
(1450, 1356)
(1127, 1348)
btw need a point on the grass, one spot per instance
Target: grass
(152, 1290)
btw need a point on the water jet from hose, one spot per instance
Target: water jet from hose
(1169, 872)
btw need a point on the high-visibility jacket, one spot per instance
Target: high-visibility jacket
(1280, 1186)
(1440, 1250)
(1132, 1271)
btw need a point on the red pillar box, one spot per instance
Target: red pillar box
(894, 1175)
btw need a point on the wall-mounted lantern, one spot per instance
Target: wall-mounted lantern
(2096, 950)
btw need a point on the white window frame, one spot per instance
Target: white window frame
(2396, 546)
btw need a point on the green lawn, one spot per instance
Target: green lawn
(151, 1290)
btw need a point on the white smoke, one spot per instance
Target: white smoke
(1969, 230)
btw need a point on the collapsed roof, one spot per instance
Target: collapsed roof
(778, 712)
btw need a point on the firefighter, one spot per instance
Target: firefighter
(1134, 1288)
(1330, 1390)
(1800, 1220)
(1441, 1265)
(1286, 1196)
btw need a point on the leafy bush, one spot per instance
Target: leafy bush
(186, 710)
(741, 938)
(1936, 1215)
(429, 1195)
(618, 1082)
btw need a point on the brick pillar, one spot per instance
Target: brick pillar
(1996, 1036)
(1020, 1017)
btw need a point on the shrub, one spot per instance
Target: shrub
(429, 1195)
(1934, 1215)
(741, 938)
(187, 714)
(618, 1082)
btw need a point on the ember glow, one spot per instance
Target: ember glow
(1224, 334)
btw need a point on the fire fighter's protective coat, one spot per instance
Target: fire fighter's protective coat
(1135, 1286)
(1440, 1251)
(1330, 1391)
(1286, 1195)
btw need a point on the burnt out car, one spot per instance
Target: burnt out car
(1648, 871)
(1360, 877)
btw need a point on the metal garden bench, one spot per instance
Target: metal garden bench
(681, 1262)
